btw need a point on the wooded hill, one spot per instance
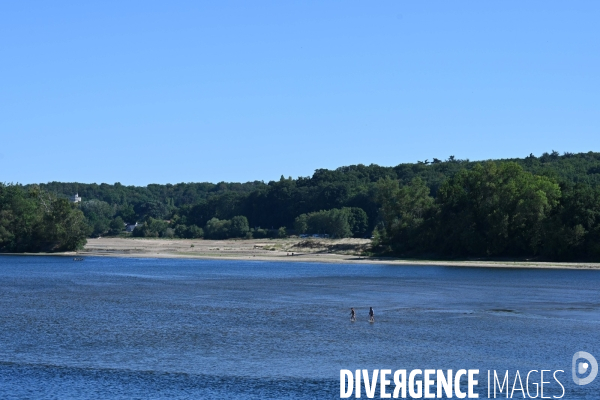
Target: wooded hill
(546, 206)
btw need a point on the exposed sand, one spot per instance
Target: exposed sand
(303, 250)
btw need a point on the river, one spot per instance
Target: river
(122, 328)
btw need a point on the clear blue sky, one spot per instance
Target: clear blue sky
(143, 92)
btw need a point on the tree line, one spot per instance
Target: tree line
(33, 220)
(543, 206)
(491, 210)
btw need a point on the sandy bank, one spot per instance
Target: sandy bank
(287, 250)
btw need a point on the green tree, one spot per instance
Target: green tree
(127, 213)
(181, 231)
(336, 222)
(117, 225)
(65, 226)
(99, 215)
(282, 232)
(154, 209)
(358, 221)
(195, 232)
(301, 224)
(573, 231)
(403, 213)
(217, 229)
(495, 209)
(39, 221)
(153, 228)
(239, 226)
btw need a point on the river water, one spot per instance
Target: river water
(124, 328)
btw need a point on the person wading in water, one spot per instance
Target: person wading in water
(352, 315)
(371, 315)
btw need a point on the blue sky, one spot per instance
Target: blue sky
(187, 91)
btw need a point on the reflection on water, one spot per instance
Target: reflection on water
(123, 328)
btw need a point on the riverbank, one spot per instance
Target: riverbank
(292, 250)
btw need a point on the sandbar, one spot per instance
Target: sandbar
(286, 250)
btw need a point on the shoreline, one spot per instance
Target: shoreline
(339, 251)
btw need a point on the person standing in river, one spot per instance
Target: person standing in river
(371, 315)
(352, 315)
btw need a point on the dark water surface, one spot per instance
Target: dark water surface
(143, 328)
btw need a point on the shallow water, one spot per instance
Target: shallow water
(144, 328)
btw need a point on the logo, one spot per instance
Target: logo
(582, 367)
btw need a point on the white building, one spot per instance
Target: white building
(75, 199)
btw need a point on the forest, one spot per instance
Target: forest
(547, 207)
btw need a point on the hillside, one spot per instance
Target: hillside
(356, 201)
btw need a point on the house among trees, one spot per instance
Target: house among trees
(75, 198)
(130, 227)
